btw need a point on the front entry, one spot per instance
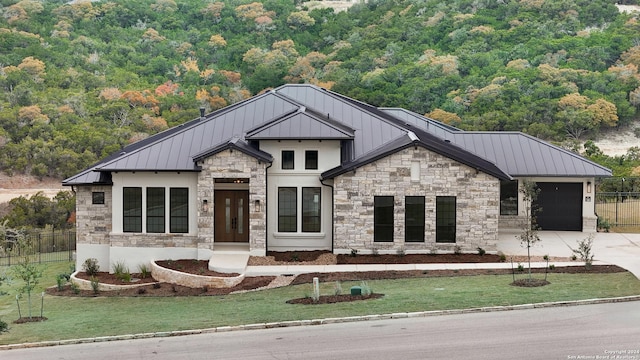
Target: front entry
(231, 219)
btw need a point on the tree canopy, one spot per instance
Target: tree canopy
(82, 79)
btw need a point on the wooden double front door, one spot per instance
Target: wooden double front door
(231, 216)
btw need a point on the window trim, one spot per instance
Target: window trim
(150, 205)
(281, 224)
(132, 196)
(178, 219)
(290, 164)
(311, 163)
(505, 185)
(444, 231)
(419, 225)
(97, 198)
(318, 212)
(381, 228)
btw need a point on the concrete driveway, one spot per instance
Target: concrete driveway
(609, 248)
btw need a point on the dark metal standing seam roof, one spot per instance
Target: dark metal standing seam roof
(519, 154)
(371, 130)
(305, 112)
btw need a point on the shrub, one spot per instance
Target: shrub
(337, 288)
(142, 290)
(95, 284)
(503, 258)
(4, 327)
(121, 271)
(481, 251)
(75, 288)
(457, 250)
(144, 271)
(91, 267)
(584, 251)
(60, 281)
(366, 289)
(354, 252)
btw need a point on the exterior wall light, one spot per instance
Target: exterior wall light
(589, 187)
(205, 206)
(257, 206)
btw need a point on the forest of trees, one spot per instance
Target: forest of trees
(81, 79)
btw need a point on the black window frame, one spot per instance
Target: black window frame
(178, 210)
(288, 159)
(97, 197)
(383, 207)
(287, 223)
(446, 209)
(311, 223)
(508, 197)
(414, 218)
(156, 217)
(132, 209)
(311, 160)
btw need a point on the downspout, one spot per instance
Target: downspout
(266, 213)
(332, 209)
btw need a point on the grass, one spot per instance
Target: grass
(626, 212)
(89, 317)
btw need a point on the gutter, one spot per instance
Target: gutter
(332, 210)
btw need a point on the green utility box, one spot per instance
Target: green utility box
(356, 290)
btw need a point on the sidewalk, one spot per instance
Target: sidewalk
(609, 249)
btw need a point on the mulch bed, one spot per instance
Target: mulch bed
(332, 299)
(153, 288)
(347, 259)
(164, 290)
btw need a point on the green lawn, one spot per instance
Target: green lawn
(89, 317)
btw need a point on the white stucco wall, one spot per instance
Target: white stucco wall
(328, 158)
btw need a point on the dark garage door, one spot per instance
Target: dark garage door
(561, 205)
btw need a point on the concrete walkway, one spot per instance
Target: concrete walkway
(609, 248)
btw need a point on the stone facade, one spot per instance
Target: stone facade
(93, 221)
(230, 164)
(477, 202)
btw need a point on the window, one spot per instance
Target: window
(179, 210)
(446, 219)
(288, 159)
(311, 209)
(311, 160)
(287, 209)
(414, 219)
(155, 210)
(383, 218)
(97, 197)
(132, 209)
(509, 197)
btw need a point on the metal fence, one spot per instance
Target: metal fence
(46, 246)
(618, 208)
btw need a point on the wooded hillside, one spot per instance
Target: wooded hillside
(80, 80)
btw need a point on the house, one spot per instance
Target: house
(304, 168)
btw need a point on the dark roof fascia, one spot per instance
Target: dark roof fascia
(235, 144)
(104, 178)
(445, 149)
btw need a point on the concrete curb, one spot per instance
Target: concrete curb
(325, 321)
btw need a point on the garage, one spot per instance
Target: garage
(561, 206)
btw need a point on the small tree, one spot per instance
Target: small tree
(529, 235)
(27, 271)
(584, 251)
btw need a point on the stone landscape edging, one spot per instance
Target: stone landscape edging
(324, 321)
